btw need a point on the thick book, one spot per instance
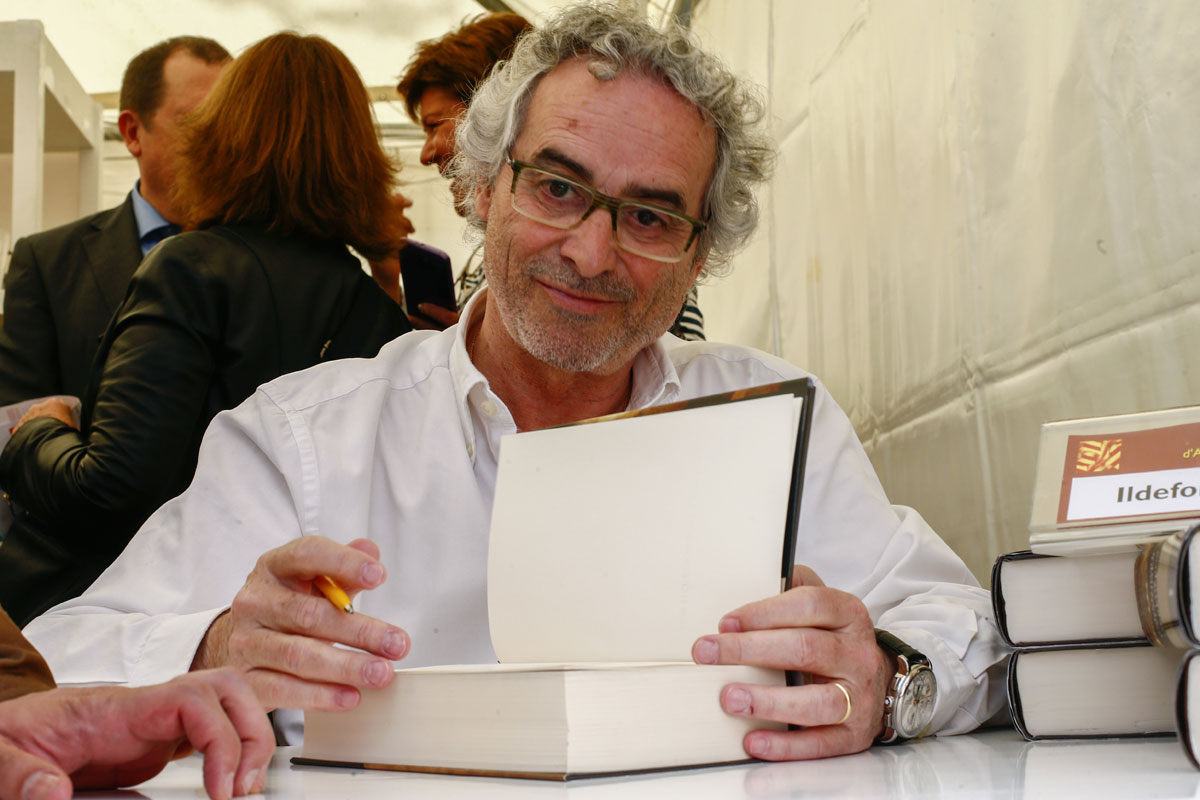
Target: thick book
(1187, 706)
(1104, 484)
(1042, 599)
(541, 721)
(1139, 595)
(1093, 691)
(613, 546)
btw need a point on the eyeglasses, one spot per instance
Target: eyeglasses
(640, 228)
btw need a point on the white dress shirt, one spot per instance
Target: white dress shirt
(402, 449)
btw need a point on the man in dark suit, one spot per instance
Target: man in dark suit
(63, 285)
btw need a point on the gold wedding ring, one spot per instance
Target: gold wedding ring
(849, 705)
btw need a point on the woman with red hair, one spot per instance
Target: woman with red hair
(280, 171)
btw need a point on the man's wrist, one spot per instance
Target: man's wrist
(889, 665)
(214, 647)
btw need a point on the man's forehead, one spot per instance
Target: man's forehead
(632, 130)
(187, 79)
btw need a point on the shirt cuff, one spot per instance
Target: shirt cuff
(171, 646)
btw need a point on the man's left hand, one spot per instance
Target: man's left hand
(113, 736)
(823, 632)
(51, 407)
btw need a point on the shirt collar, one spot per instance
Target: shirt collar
(655, 381)
(471, 387)
(147, 216)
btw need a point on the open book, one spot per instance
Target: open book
(614, 545)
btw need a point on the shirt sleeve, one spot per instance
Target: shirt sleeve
(910, 580)
(143, 619)
(22, 669)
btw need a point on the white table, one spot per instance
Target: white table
(992, 764)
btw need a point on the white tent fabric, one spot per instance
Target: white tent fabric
(985, 216)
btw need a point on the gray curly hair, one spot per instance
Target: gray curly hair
(613, 39)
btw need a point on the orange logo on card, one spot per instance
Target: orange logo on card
(1098, 455)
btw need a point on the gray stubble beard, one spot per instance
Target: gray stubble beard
(612, 348)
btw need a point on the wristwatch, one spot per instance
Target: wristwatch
(912, 694)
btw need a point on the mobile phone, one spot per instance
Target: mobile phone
(427, 277)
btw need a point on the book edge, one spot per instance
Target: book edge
(511, 774)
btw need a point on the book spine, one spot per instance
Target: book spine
(1183, 723)
(1159, 583)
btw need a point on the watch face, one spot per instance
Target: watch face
(914, 707)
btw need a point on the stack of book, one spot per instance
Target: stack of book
(1104, 609)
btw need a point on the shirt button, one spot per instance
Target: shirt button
(488, 407)
(470, 450)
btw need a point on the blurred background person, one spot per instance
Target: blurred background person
(53, 741)
(63, 285)
(436, 88)
(280, 170)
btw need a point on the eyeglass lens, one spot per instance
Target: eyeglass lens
(561, 203)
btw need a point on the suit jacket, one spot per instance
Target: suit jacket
(209, 316)
(61, 289)
(22, 669)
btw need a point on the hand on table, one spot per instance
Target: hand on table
(113, 736)
(823, 632)
(280, 630)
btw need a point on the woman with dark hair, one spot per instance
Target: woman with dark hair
(280, 171)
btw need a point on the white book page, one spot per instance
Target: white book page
(625, 540)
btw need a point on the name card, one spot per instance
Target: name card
(1147, 473)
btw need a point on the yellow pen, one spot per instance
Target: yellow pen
(335, 593)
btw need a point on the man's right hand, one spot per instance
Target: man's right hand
(280, 630)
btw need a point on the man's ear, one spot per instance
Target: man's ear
(698, 263)
(483, 202)
(131, 131)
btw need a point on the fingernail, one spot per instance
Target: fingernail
(372, 574)
(248, 781)
(227, 785)
(395, 644)
(375, 673)
(39, 785)
(730, 625)
(705, 651)
(758, 746)
(737, 701)
(346, 698)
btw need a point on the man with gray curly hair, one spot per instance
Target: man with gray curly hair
(730, 108)
(608, 166)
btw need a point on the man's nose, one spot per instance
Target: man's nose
(591, 245)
